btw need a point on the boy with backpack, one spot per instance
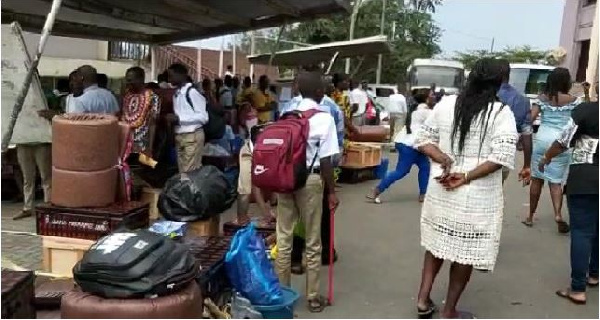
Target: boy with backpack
(189, 120)
(293, 157)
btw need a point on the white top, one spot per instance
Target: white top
(418, 118)
(95, 100)
(359, 96)
(70, 103)
(226, 97)
(321, 132)
(397, 103)
(191, 118)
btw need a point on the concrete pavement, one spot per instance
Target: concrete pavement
(378, 273)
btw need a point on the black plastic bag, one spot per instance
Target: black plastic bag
(196, 195)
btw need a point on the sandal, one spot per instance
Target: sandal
(592, 284)
(428, 312)
(563, 227)
(317, 304)
(566, 293)
(527, 223)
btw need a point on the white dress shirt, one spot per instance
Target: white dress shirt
(396, 103)
(95, 100)
(418, 117)
(322, 136)
(359, 96)
(191, 118)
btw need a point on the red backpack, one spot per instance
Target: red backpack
(279, 156)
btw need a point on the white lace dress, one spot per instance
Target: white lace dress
(464, 225)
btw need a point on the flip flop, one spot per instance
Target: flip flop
(592, 284)
(428, 312)
(567, 295)
(527, 223)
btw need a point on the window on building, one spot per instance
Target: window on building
(588, 2)
(583, 61)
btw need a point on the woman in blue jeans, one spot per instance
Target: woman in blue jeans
(407, 155)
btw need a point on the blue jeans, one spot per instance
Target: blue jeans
(583, 215)
(407, 157)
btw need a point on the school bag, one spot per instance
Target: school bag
(279, 156)
(215, 127)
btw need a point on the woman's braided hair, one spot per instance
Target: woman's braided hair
(559, 81)
(482, 85)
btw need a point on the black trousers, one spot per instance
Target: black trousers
(298, 243)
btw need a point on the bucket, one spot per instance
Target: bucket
(284, 310)
(382, 168)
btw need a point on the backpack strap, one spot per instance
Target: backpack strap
(309, 113)
(188, 98)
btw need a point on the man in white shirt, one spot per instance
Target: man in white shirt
(397, 110)
(189, 118)
(307, 201)
(358, 99)
(94, 99)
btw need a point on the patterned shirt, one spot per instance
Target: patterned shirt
(140, 110)
(343, 101)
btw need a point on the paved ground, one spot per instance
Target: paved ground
(378, 273)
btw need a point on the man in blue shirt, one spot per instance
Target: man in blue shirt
(521, 108)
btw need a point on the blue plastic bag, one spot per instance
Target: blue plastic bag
(249, 269)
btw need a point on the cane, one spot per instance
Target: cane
(331, 253)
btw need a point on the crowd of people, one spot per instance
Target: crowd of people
(463, 145)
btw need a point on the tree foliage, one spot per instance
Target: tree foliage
(408, 24)
(521, 54)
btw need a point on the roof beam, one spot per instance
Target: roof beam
(35, 23)
(282, 7)
(199, 8)
(94, 7)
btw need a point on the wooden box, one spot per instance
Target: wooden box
(361, 156)
(150, 196)
(204, 228)
(59, 254)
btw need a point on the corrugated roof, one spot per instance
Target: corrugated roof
(162, 22)
(324, 52)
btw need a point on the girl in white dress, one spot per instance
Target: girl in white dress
(469, 138)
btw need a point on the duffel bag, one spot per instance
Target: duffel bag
(132, 264)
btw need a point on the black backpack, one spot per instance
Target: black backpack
(135, 264)
(214, 129)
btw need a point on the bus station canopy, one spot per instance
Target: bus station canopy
(164, 21)
(324, 52)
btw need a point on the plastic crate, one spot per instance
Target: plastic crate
(90, 223)
(263, 228)
(18, 294)
(210, 252)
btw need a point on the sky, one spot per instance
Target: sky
(471, 25)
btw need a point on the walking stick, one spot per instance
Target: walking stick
(331, 254)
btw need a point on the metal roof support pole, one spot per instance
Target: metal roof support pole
(360, 62)
(355, 7)
(33, 68)
(332, 62)
(380, 57)
(276, 45)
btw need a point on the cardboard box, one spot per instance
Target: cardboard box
(60, 254)
(204, 228)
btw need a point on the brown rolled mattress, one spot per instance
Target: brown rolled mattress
(85, 142)
(75, 189)
(185, 304)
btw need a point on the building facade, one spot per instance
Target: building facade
(579, 37)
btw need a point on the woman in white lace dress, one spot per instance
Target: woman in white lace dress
(469, 138)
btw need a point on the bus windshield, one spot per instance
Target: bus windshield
(441, 76)
(529, 81)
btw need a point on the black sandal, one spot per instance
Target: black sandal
(317, 304)
(563, 227)
(428, 312)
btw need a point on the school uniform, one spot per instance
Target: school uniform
(189, 135)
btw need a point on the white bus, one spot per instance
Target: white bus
(445, 74)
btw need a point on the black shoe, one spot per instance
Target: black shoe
(325, 257)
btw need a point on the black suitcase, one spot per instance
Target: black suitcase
(135, 264)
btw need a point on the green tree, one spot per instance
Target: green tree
(408, 24)
(520, 54)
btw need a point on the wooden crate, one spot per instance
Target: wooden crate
(59, 254)
(204, 228)
(150, 196)
(361, 156)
